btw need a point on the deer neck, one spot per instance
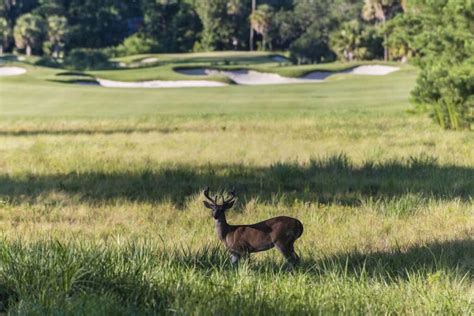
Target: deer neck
(222, 228)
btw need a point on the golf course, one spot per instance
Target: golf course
(101, 191)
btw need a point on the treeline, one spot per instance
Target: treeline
(438, 35)
(313, 31)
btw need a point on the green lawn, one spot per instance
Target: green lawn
(101, 207)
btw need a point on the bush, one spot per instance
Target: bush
(85, 59)
(446, 80)
(136, 44)
(47, 61)
(450, 92)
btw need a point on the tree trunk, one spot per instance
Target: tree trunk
(254, 5)
(1, 49)
(28, 50)
(385, 48)
(56, 51)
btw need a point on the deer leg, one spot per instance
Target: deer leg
(291, 248)
(234, 258)
(294, 255)
(288, 251)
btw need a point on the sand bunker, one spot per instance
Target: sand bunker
(160, 84)
(251, 77)
(12, 71)
(243, 77)
(149, 60)
(373, 70)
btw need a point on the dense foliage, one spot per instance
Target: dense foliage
(441, 34)
(145, 26)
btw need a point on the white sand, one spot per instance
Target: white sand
(160, 84)
(251, 77)
(12, 71)
(373, 70)
(149, 60)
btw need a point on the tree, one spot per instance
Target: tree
(445, 44)
(57, 35)
(97, 24)
(347, 40)
(238, 12)
(173, 26)
(254, 7)
(29, 32)
(12, 9)
(260, 21)
(401, 30)
(312, 47)
(354, 40)
(4, 31)
(315, 22)
(382, 10)
(285, 29)
(217, 30)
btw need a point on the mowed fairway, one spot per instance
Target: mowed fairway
(101, 198)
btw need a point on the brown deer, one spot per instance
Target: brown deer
(241, 240)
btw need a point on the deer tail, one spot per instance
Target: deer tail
(300, 229)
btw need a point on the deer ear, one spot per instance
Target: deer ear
(207, 204)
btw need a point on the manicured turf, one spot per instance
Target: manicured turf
(101, 206)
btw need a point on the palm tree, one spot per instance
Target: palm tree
(260, 21)
(3, 33)
(57, 33)
(381, 10)
(347, 40)
(29, 32)
(254, 5)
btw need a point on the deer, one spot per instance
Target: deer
(280, 232)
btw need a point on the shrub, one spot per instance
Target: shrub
(84, 59)
(136, 44)
(445, 44)
(47, 61)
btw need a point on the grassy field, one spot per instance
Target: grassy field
(101, 207)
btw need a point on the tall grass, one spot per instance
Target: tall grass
(50, 276)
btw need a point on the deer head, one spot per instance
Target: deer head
(219, 209)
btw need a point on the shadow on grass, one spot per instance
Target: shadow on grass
(331, 180)
(79, 131)
(450, 256)
(453, 256)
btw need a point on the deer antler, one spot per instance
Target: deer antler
(206, 194)
(225, 200)
(231, 198)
